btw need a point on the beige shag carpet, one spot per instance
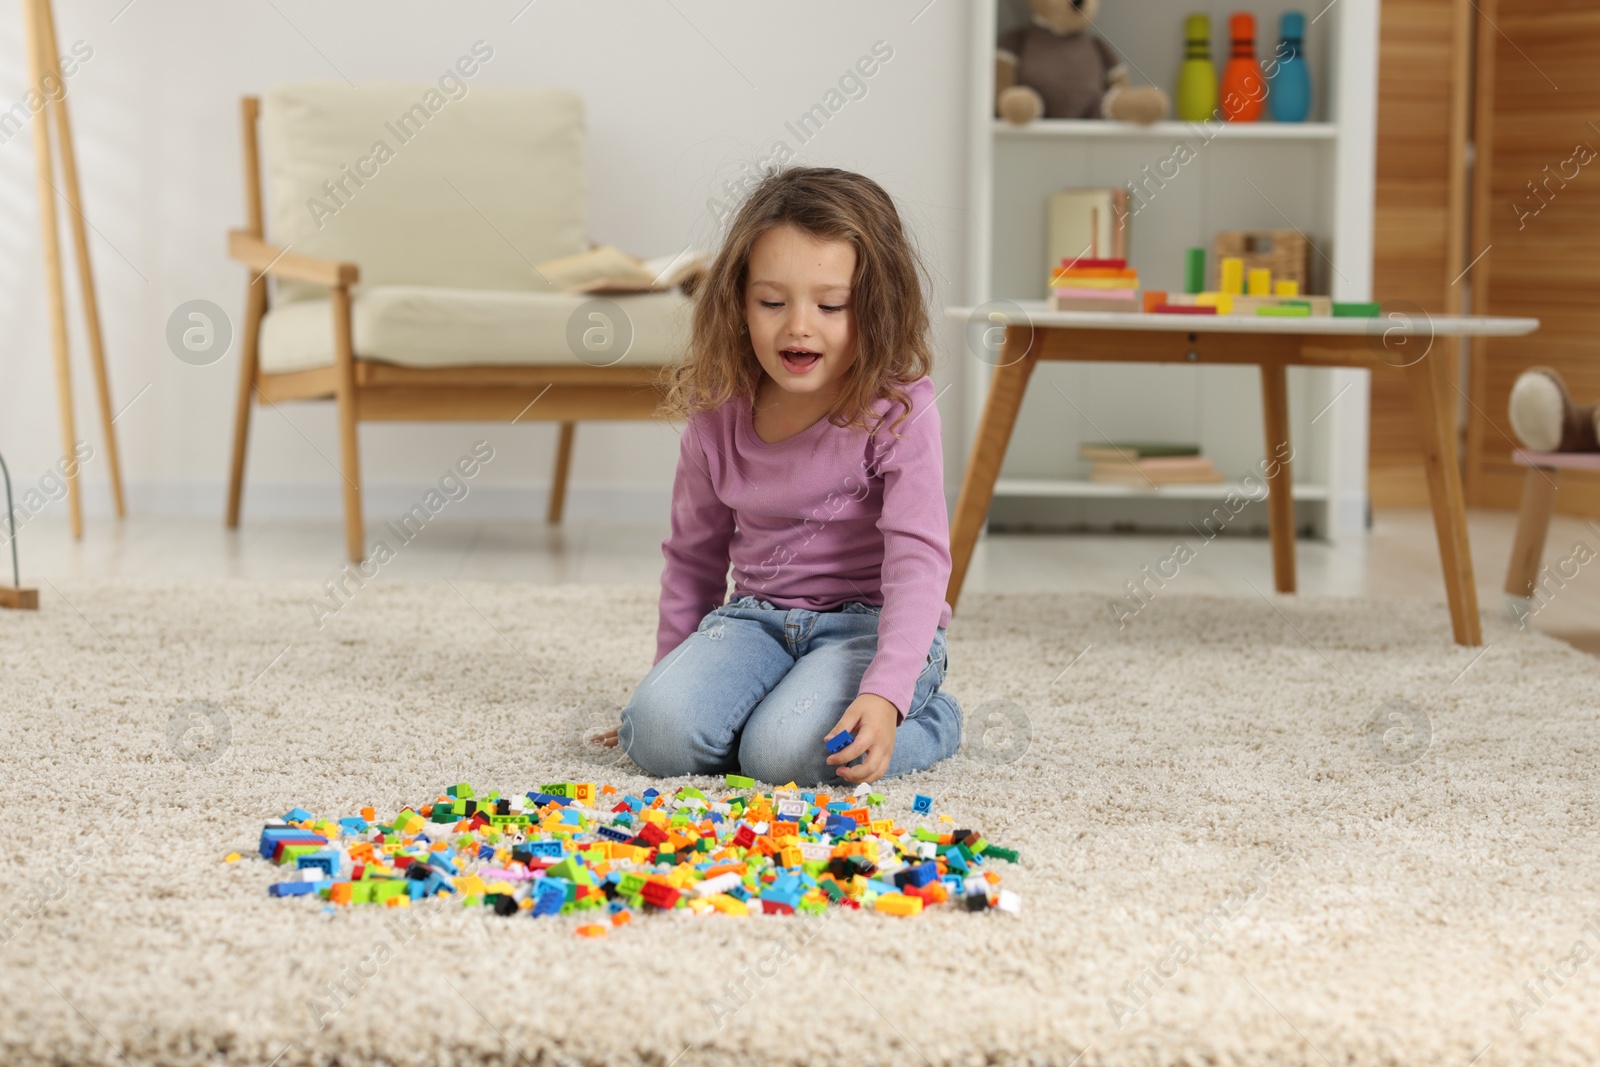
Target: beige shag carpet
(1304, 832)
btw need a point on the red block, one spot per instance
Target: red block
(773, 907)
(660, 895)
(744, 837)
(1182, 309)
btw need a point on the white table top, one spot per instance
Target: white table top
(1395, 323)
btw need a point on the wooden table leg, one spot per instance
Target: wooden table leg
(1533, 526)
(1010, 381)
(1436, 430)
(1280, 474)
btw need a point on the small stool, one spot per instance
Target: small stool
(1533, 521)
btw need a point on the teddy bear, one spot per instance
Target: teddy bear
(1056, 68)
(1544, 417)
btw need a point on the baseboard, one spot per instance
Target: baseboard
(585, 503)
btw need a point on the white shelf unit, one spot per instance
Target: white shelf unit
(1166, 131)
(1316, 177)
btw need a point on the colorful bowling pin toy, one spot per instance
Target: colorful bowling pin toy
(1243, 88)
(1290, 96)
(1197, 78)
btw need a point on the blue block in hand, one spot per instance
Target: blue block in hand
(839, 742)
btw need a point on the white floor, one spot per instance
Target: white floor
(1397, 558)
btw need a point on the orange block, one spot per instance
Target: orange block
(339, 893)
(621, 918)
(1154, 298)
(593, 930)
(369, 814)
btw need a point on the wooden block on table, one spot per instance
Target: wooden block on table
(19, 599)
(1061, 303)
(1260, 281)
(1231, 276)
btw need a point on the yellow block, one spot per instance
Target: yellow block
(471, 885)
(729, 905)
(899, 904)
(1232, 277)
(1221, 301)
(1260, 282)
(1286, 287)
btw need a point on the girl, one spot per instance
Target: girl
(811, 462)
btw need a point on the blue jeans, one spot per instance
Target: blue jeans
(755, 688)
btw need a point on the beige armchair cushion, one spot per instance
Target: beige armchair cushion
(417, 326)
(418, 189)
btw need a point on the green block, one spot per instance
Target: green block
(832, 889)
(291, 853)
(680, 819)
(690, 791)
(567, 868)
(1007, 854)
(463, 791)
(1287, 311)
(703, 845)
(1194, 270)
(442, 813)
(874, 799)
(978, 847)
(558, 789)
(630, 883)
(1357, 310)
(509, 820)
(739, 781)
(384, 889)
(922, 833)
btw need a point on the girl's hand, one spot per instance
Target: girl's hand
(605, 739)
(872, 720)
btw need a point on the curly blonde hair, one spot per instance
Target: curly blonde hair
(886, 296)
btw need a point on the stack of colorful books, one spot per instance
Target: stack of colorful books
(1094, 285)
(1143, 464)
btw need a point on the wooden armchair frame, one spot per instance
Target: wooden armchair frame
(370, 391)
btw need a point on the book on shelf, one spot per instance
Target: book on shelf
(1139, 474)
(1130, 468)
(608, 269)
(1123, 450)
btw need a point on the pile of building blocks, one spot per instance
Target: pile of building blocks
(572, 849)
(1094, 285)
(1255, 293)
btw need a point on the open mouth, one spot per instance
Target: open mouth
(799, 360)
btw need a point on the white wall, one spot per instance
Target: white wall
(681, 97)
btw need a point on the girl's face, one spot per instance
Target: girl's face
(797, 305)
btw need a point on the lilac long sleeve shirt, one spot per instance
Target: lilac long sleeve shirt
(827, 516)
